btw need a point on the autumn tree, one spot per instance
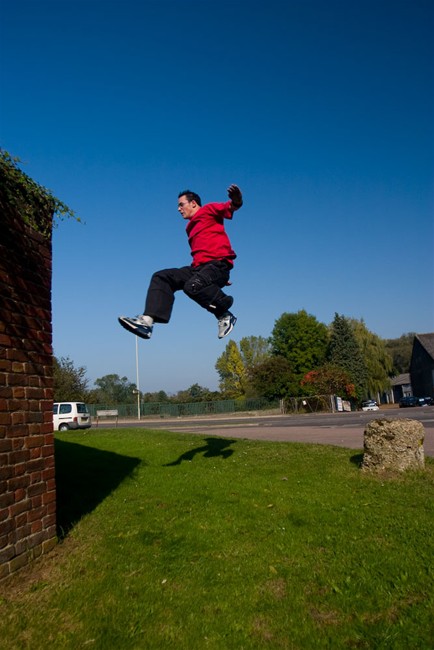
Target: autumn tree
(329, 380)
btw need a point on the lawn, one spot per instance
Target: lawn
(192, 542)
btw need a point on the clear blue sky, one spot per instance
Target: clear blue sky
(322, 112)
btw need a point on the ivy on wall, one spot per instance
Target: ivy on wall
(35, 204)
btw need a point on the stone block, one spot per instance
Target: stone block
(394, 444)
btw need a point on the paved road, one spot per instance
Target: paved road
(341, 429)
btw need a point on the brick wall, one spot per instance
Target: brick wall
(27, 473)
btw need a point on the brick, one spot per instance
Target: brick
(51, 508)
(5, 445)
(5, 340)
(5, 419)
(50, 543)
(35, 465)
(18, 562)
(4, 570)
(34, 441)
(48, 497)
(19, 482)
(6, 554)
(19, 456)
(49, 521)
(36, 527)
(6, 472)
(35, 539)
(6, 527)
(49, 476)
(6, 500)
(36, 513)
(19, 418)
(21, 506)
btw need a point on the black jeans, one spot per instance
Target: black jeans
(203, 284)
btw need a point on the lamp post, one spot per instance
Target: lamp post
(137, 378)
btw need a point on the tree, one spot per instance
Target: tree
(302, 340)
(378, 361)
(233, 375)
(344, 351)
(112, 389)
(329, 380)
(254, 349)
(159, 396)
(272, 378)
(400, 350)
(195, 393)
(69, 382)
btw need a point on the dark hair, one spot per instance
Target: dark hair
(191, 196)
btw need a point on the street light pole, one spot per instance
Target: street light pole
(137, 378)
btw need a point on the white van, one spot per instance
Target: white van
(70, 415)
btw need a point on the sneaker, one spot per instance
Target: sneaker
(136, 326)
(226, 324)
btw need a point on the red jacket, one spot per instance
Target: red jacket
(206, 234)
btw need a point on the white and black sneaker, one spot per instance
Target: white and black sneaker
(136, 326)
(226, 324)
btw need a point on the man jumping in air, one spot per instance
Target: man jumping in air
(202, 281)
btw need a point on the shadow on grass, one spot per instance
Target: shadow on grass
(84, 477)
(357, 459)
(214, 447)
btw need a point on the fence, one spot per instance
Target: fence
(314, 404)
(160, 409)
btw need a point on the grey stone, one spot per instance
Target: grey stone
(394, 444)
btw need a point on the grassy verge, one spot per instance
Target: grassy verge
(184, 541)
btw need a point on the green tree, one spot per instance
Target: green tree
(69, 382)
(159, 396)
(378, 361)
(112, 389)
(400, 350)
(232, 372)
(196, 393)
(254, 349)
(344, 351)
(272, 378)
(302, 340)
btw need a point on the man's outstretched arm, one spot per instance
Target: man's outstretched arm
(235, 196)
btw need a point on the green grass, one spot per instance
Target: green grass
(191, 542)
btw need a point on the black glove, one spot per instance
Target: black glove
(235, 196)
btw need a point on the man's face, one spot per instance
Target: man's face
(186, 208)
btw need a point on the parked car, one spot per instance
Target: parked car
(71, 415)
(369, 405)
(426, 401)
(409, 400)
